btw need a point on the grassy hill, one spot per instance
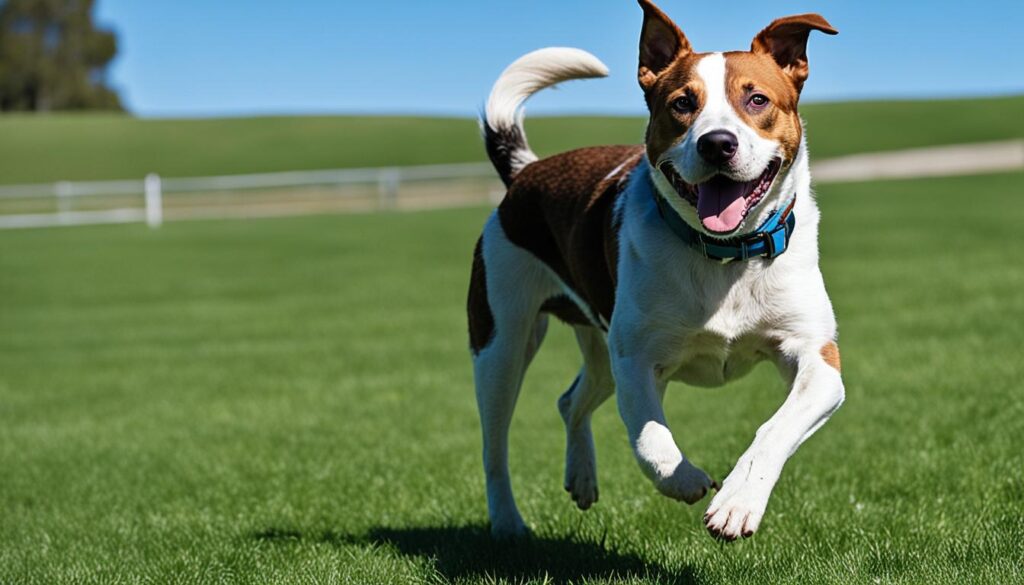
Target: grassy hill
(90, 146)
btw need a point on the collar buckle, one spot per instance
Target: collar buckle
(768, 241)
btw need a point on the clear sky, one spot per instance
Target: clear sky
(208, 57)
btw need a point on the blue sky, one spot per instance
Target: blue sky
(210, 58)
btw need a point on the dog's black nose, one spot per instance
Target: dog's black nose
(718, 146)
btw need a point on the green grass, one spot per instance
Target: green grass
(96, 147)
(290, 401)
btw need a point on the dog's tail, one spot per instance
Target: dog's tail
(503, 119)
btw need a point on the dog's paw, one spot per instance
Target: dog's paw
(581, 483)
(687, 483)
(734, 513)
(581, 472)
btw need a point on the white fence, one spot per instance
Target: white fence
(154, 199)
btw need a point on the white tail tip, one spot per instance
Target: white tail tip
(533, 72)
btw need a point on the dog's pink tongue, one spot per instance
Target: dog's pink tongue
(720, 204)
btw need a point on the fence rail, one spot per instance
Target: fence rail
(154, 199)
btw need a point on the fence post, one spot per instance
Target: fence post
(154, 201)
(64, 192)
(387, 187)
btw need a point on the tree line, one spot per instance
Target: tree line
(54, 57)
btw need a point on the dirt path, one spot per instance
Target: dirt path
(938, 161)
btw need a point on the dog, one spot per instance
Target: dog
(690, 258)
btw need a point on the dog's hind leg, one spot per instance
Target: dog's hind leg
(590, 389)
(499, 371)
(507, 289)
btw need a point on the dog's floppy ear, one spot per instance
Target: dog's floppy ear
(785, 39)
(661, 43)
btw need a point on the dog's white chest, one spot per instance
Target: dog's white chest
(710, 359)
(722, 331)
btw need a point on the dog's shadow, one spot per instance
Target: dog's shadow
(468, 552)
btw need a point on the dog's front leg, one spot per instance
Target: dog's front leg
(639, 397)
(816, 392)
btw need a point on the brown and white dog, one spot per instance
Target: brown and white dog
(588, 236)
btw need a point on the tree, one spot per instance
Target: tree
(52, 57)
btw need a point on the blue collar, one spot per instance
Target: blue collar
(770, 240)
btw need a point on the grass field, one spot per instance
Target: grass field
(290, 401)
(97, 147)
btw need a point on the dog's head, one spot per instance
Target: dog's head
(724, 131)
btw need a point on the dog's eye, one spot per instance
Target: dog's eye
(758, 101)
(684, 104)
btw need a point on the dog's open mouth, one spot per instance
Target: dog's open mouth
(721, 202)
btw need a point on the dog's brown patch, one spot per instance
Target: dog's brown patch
(481, 320)
(566, 310)
(830, 353)
(750, 73)
(666, 125)
(561, 209)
